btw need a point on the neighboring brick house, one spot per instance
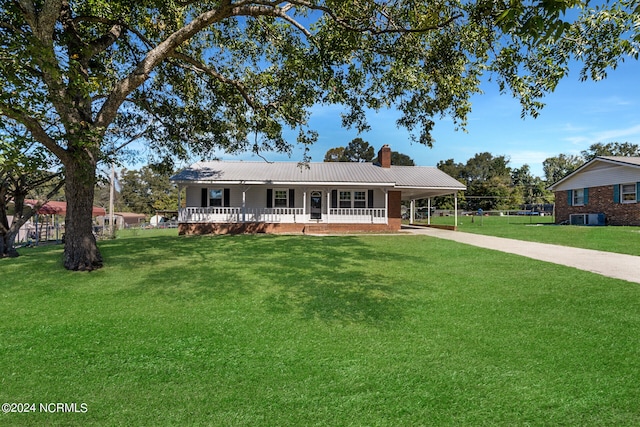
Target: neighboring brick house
(285, 197)
(605, 190)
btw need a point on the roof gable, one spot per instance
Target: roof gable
(600, 171)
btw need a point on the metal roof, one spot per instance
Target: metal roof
(411, 179)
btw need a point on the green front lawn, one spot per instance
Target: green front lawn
(624, 240)
(297, 330)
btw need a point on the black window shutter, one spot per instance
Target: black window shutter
(203, 201)
(292, 198)
(334, 199)
(269, 197)
(227, 194)
(370, 199)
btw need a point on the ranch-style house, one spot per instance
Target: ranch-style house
(605, 190)
(286, 197)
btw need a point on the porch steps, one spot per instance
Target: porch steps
(315, 229)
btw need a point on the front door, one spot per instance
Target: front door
(316, 205)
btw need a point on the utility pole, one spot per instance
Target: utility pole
(112, 230)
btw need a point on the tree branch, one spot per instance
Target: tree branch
(156, 55)
(35, 128)
(367, 29)
(198, 66)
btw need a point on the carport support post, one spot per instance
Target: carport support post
(413, 211)
(455, 208)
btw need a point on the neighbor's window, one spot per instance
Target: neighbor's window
(578, 197)
(280, 198)
(359, 199)
(215, 197)
(345, 199)
(628, 193)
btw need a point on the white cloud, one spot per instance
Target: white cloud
(613, 134)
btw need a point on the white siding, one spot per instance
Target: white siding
(600, 176)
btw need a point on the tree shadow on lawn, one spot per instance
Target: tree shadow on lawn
(327, 278)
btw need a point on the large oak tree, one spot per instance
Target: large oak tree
(85, 76)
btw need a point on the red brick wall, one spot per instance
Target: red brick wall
(395, 210)
(600, 200)
(276, 228)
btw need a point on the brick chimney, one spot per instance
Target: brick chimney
(384, 156)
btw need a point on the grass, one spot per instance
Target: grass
(624, 240)
(297, 330)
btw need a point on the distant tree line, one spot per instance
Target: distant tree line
(145, 191)
(491, 183)
(359, 150)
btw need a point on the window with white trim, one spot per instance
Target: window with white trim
(280, 198)
(628, 193)
(353, 199)
(578, 197)
(345, 199)
(215, 197)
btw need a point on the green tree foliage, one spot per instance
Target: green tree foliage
(359, 150)
(555, 168)
(624, 149)
(455, 170)
(191, 77)
(398, 159)
(146, 191)
(492, 184)
(335, 155)
(529, 189)
(488, 180)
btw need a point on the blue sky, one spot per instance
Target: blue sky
(576, 115)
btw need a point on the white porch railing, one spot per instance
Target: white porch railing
(281, 215)
(210, 214)
(236, 214)
(286, 215)
(358, 215)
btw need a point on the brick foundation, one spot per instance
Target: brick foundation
(278, 228)
(600, 200)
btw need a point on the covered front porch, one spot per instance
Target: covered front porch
(293, 205)
(281, 215)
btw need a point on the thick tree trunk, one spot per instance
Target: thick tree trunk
(9, 232)
(7, 245)
(80, 248)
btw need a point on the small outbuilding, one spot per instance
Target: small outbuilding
(123, 219)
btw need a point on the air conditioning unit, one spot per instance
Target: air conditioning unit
(587, 219)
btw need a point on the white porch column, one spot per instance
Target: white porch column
(412, 213)
(429, 211)
(386, 206)
(455, 207)
(244, 205)
(328, 205)
(304, 205)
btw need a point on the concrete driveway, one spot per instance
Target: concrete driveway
(619, 266)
